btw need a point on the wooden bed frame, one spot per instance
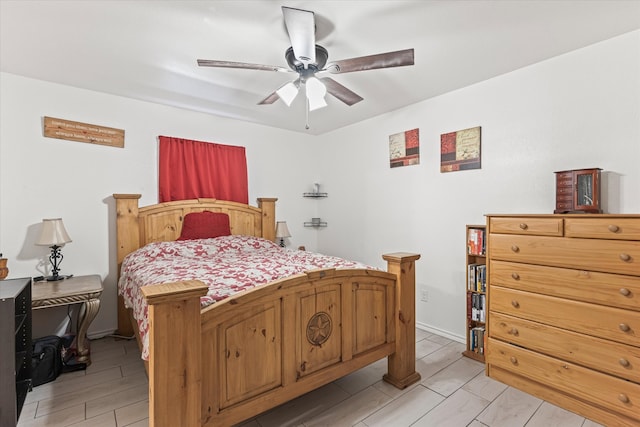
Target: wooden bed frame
(260, 348)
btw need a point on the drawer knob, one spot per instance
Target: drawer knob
(523, 226)
(515, 276)
(624, 362)
(625, 257)
(623, 398)
(625, 292)
(624, 327)
(514, 360)
(515, 248)
(514, 332)
(516, 304)
(614, 228)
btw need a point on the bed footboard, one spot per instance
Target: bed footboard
(261, 348)
(402, 363)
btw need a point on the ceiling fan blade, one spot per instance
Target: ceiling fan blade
(243, 65)
(398, 58)
(270, 99)
(342, 93)
(301, 26)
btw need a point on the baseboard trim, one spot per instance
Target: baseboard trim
(441, 332)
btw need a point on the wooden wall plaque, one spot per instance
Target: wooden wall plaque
(83, 132)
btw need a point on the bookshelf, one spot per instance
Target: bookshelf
(15, 352)
(475, 292)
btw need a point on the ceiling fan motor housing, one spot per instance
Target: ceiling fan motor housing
(321, 59)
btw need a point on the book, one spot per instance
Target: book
(475, 241)
(477, 339)
(477, 278)
(471, 280)
(481, 278)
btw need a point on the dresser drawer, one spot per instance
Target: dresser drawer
(564, 178)
(603, 228)
(600, 321)
(606, 356)
(565, 190)
(601, 389)
(610, 289)
(565, 198)
(612, 256)
(551, 226)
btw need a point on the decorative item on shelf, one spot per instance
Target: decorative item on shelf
(315, 222)
(316, 194)
(282, 231)
(55, 236)
(578, 191)
(4, 271)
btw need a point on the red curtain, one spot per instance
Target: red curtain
(196, 169)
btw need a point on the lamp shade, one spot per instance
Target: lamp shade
(53, 233)
(282, 230)
(288, 93)
(315, 93)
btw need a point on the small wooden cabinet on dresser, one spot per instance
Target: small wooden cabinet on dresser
(564, 311)
(15, 350)
(578, 190)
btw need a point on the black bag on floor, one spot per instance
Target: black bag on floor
(46, 362)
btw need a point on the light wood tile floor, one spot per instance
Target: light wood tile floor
(453, 391)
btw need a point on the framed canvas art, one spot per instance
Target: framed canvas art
(460, 150)
(404, 148)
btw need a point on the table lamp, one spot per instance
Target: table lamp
(55, 236)
(282, 231)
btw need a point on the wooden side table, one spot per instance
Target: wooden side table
(84, 290)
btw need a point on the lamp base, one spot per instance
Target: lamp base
(57, 277)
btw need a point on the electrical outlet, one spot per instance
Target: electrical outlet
(425, 295)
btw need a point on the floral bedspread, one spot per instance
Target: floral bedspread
(227, 264)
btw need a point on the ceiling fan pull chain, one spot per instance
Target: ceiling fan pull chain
(306, 126)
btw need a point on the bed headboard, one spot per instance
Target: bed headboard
(136, 226)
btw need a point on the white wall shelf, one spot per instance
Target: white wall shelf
(315, 224)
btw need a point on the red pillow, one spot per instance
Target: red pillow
(205, 225)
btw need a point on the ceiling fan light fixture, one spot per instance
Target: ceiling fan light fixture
(288, 93)
(316, 92)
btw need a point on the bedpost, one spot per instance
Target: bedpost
(268, 207)
(175, 373)
(402, 363)
(127, 241)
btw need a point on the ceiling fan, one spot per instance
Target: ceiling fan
(308, 59)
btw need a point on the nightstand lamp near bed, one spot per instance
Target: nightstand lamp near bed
(282, 231)
(55, 236)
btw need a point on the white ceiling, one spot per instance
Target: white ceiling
(147, 50)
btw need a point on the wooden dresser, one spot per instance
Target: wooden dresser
(564, 311)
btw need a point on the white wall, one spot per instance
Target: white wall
(579, 110)
(44, 177)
